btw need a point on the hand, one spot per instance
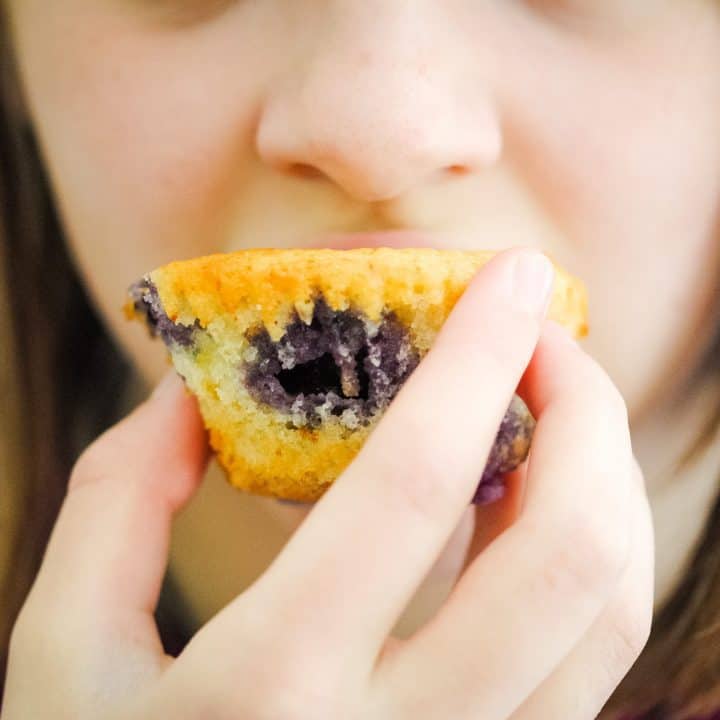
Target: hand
(543, 623)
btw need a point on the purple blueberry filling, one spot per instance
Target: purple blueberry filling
(147, 301)
(337, 365)
(510, 449)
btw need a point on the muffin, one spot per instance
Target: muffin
(294, 355)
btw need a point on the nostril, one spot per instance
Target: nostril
(303, 170)
(457, 170)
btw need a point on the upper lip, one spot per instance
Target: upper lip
(383, 238)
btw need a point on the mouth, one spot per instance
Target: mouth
(385, 238)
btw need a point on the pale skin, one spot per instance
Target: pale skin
(174, 129)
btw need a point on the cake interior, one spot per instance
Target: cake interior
(340, 364)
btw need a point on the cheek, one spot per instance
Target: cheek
(145, 135)
(140, 129)
(625, 154)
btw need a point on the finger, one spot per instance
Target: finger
(106, 558)
(440, 579)
(530, 596)
(587, 677)
(493, 519)
(367, 544)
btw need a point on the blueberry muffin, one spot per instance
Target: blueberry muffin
(295, 354)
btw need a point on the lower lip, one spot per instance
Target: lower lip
(394, 239)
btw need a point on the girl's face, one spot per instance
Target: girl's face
(177, 128)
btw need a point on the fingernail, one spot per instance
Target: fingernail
(533, 277)
(166, 387)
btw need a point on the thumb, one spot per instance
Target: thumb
(108, 551)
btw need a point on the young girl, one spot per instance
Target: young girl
(139, 132)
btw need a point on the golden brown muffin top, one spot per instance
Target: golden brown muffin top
(276, 282)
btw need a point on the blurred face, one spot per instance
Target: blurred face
(177, 128)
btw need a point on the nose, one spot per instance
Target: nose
(384, 102)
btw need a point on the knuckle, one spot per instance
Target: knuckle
(113, 448)
(89, 468)
(287, 695)
(631, 627)
(611, 394)
(501, 359)
(99, 467)
(587, 556)
(420, 484)
(603, 397)
(275, 677)
(506, 357)
(293, 703)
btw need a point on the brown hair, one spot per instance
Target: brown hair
(61, 377)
